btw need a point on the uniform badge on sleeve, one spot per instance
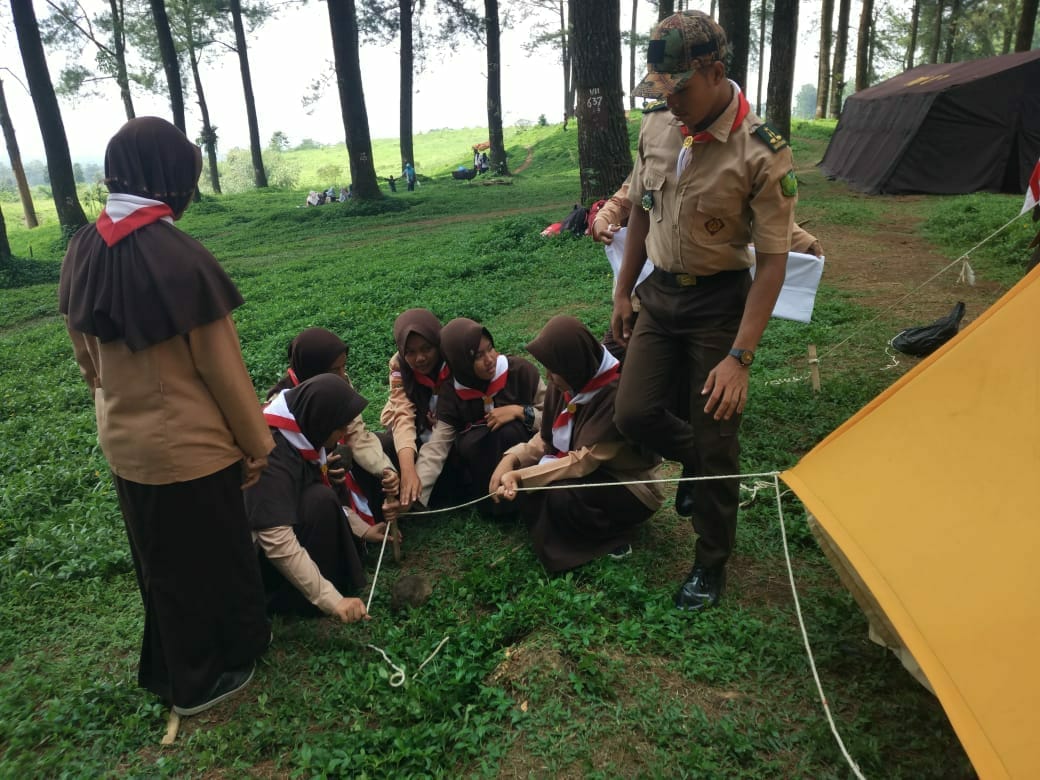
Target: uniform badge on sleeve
(647, 201)
(789, 184)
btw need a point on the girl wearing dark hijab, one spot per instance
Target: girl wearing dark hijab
(418, 376)
(578, 444)
(494, 402)
(148, 310)
(368, 475)
(310, 557)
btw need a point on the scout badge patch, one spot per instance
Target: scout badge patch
(647, 201)
(789, 184)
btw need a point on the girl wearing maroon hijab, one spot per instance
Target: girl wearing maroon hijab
(367, 476)
(148, 310)
(494, 402)
(578, 444)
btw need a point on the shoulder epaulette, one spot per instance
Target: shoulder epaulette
(772, 139)
(657, 105)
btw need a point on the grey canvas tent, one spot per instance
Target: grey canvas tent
(947, 129)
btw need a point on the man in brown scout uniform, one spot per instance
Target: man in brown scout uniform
(709, 178)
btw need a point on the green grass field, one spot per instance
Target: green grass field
(592, 674)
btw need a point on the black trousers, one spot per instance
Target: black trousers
(682, 334)
(197, 570)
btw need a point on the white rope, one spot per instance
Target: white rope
(386, 532)
(400, 676)
(805, 635)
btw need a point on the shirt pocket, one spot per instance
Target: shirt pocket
(653, 189)
(718, 221)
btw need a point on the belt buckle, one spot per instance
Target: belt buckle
(686, 280)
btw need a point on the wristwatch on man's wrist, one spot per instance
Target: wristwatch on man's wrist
(744, 356)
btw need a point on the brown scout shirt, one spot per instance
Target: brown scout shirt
(728, 196)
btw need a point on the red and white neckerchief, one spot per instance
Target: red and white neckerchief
(358, 501)
(498, 381)
(1032, 191)
(563, 425)
(123, 214)
(278, 415)
(704, 136)
(435, 386)
(292, 377)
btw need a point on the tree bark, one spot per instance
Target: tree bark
(911, 48)
(866, 30)
(5, 246)
(841, 43)
(48, 114)
(256, 150)
(735, 19)
(119, 53)
(665, 8)
(1026, 26)
(781, 65)
(343, 23)
(604, 152)
(823, 73)
(24, 193)
(1010, 27)
(761, 55)
(494, 88)
(568, 82)
(951, 30)
(209, 134)
(405, 9)
(933, 51)
(171, 66)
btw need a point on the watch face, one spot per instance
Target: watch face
(747, 357)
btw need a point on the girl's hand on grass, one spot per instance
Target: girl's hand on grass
(350, 610)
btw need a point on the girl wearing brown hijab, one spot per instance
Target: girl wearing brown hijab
(310, 557)
(418, 376)
(495, 402)
(368, 476)
(148, 310)
(578, 444)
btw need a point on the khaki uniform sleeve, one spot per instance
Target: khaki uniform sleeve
(283, 550)
(802, 240)
(539, 401)
(615, 210)
(432, 457)
(573, 465)
(528, 452)
(218, 359)
(772, 211)
(366, 448)
(398, 415)
(83, 358)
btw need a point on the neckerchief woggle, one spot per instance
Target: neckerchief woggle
(498, 381)
(278, 415)
(123, 214)
(563, 425)
(704, 137)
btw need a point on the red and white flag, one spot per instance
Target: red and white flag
(1032, 191)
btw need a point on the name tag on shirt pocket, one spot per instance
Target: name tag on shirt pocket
(717, 221)
(653, 185)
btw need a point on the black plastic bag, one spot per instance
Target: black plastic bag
(925, 339)
(577, 221)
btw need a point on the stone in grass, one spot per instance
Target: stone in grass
(412, 590)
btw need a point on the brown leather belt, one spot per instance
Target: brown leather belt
(689, 280)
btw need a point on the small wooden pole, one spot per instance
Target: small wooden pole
(173, 725)
(391, 528)
(814, 368)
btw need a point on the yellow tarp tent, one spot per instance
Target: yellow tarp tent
(929, 493)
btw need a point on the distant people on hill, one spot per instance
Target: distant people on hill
(346, 194)
(392, 182)
(484, 164)
(409, 176)
(331, 194)
(312, 198)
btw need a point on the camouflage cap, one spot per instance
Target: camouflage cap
(679, 46)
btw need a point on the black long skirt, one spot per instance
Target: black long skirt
(449, 488)
(480, 450)
(324, 532)
(572, 526)
(197, 570)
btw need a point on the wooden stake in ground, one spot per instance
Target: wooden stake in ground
(173, 725)
(391, 528)
(814, 368)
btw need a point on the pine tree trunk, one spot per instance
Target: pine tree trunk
(841, 43)
(823, 73)
(951, 31)
(1026, 26)
(933, 51)
(343, 23)
(494, 89)
(119, 50)
(5, 246)
(604, 152)
(665, 9)
(568, 86)
(1010, 23)
(171, 67)
(761, 55)
(866, 30)
(911, 47)
(48, 115)
(209, 135)
(781, 65)
(24, 193)
(735, 19)
(405, 10)
(259, 174)
(632, 55)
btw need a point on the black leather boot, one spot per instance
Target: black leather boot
(702, 589)
(684, 497)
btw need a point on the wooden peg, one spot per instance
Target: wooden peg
(814, 368)
(173, 725)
